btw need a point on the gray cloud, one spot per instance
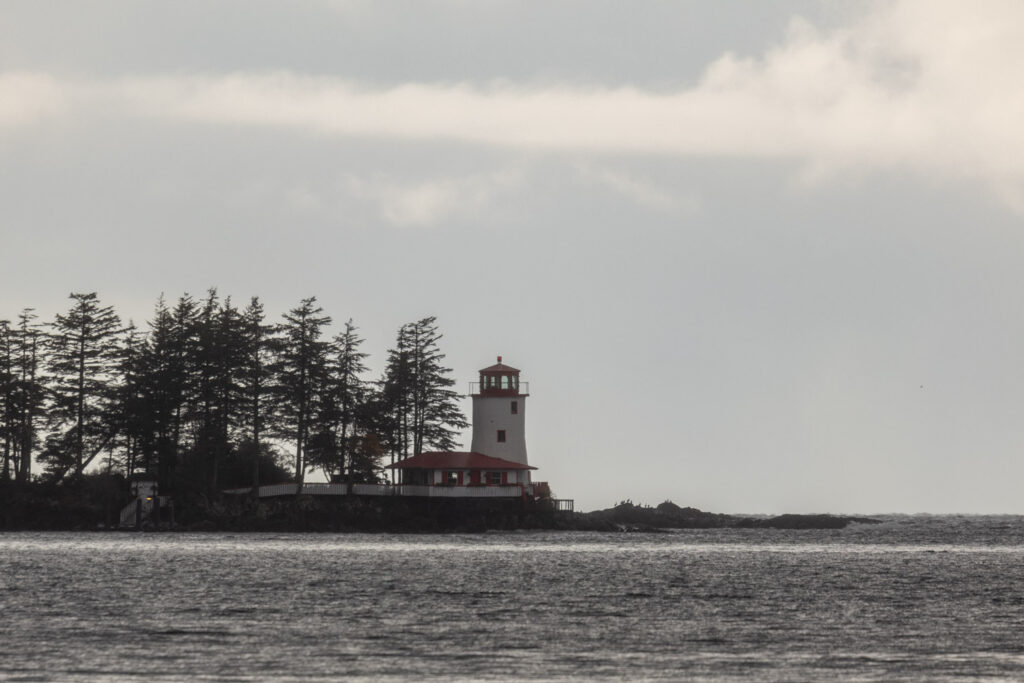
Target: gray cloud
(880, 94)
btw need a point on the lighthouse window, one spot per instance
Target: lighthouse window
(501, 436)
(515, 407)
(504, 382)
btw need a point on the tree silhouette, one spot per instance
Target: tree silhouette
(81, 364)
(300, 374)
(418, 392)
(207, 393)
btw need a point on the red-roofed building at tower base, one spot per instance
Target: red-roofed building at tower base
(455, 468)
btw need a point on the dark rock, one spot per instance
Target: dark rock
(668, 515)
(805, 522)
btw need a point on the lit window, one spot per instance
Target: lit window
(501, 436)
(515, 407)
(451, 478)
(504, 382)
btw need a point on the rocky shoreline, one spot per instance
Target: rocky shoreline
(396, 515)
(78, 509)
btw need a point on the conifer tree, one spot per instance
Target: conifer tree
(6, 398)
(184, 361)
(205, 364)
(437, 416)
(82, 361)
(350, 391)
(255, 379)
(418, 394)
(220, 374)
(300, 373)
(161, 379)
(28, 394)
(339, 405)
(130, 408)
(393, 404)
(214, 364)
(231, 366)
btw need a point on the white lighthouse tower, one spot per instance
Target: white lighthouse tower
(499, 414)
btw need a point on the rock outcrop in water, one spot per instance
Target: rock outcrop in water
(668, 515)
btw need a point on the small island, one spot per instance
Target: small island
(186, 426)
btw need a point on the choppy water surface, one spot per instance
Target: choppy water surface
(914, 598)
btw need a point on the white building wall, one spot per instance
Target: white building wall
(493, 413)
(515, 477)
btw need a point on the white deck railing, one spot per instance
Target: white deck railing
(387, 490)
(278, 490)
(464, 491)
(320, 490)
(128, 512)
(371, 489)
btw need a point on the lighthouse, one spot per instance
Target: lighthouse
(499, 413)
(496, 466)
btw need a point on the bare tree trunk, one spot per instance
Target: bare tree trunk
(256, 442)
(80, 409)
(28, 418)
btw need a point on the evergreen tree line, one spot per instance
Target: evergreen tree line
(211, 395)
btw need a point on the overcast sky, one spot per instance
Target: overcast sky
(751, 257)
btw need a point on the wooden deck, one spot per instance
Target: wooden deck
(410, 490)
(384, 490)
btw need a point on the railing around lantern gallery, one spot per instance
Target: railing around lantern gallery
(522, 390)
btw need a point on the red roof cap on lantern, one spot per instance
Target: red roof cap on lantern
(500, 367)
(457, 460)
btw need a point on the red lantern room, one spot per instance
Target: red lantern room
(499, 380)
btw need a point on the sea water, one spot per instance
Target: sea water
(914, 598)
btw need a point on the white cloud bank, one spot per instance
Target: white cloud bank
(932, 87)
(27, 98)
(428, 202)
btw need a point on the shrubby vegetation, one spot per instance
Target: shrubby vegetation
(212, 396)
